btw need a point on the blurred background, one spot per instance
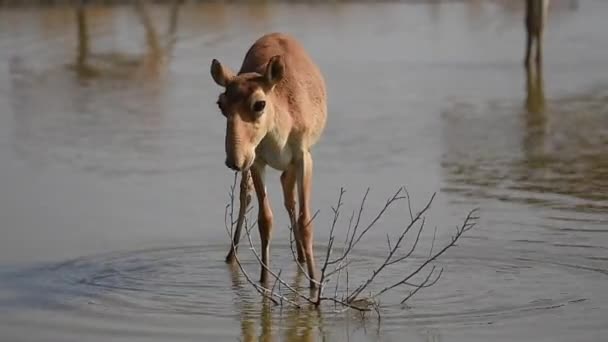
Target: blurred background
(113, 184)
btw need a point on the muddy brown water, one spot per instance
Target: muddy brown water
(113, 188)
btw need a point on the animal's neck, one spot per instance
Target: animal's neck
(278, 129)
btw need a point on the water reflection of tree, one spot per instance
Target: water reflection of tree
(150, 64)
(105, 127)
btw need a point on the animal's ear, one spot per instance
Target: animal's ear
(275, 70)
(221, 74)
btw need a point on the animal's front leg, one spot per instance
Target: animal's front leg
(264, 218)
(244, 201)
(529, 40)
(305, 226)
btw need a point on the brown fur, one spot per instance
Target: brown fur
(277, 70)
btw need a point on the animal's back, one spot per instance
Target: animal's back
(302, 91)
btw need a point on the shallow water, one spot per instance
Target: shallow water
(113, 188)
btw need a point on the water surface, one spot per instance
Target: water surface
(113, 187)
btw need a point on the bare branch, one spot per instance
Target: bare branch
(468, 224)
(387, 260)
(355, 233)
(424, 284)
(414, 245)
(409, 205)
(353, 242)
(330, 245)
(433, 241)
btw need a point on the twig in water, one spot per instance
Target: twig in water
(340, 264)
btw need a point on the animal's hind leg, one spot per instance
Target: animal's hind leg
(244, 201)
(288, 182)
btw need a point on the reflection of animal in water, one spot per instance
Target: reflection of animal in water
(299, 324)
(116, 64)
(276, 111)
(535, 119)
(535, 20)
(535, 92)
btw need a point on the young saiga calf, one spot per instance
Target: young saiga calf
(276, 110)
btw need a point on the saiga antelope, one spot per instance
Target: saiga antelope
(535, 20)
(276, 110)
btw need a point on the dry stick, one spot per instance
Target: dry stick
(424, 284)
(433, 242)
(339, 267)
(231, 205)
(353, 242)
(409, 204)
(387, 260)
(350, 242)
(430, 254)
(466, 226)
(414, 245)
(330, 245)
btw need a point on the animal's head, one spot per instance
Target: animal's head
(247, 105)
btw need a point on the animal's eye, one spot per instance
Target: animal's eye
(259, 106)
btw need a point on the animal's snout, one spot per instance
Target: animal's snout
(232, 165)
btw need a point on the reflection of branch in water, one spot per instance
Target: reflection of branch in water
(118, 65)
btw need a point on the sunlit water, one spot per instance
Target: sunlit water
(113, 188)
